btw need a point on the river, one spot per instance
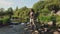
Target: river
(13, 29)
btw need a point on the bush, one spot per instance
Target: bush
(4, 20)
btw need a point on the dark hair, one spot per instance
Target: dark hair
(31, 10)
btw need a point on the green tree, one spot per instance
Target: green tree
(44, 8)
(22, 13)
(16, 8)
(10, 12)
(1, 11)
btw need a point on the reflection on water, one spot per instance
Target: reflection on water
(12, 29)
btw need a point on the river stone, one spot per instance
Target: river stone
(50, 23)
(35, 32)
(56, 32)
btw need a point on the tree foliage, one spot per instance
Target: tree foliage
(45, 8)
(22, 14)
(44, 11)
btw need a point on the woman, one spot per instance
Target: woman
(31, 15)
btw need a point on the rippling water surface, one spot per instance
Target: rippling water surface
(12, 29)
